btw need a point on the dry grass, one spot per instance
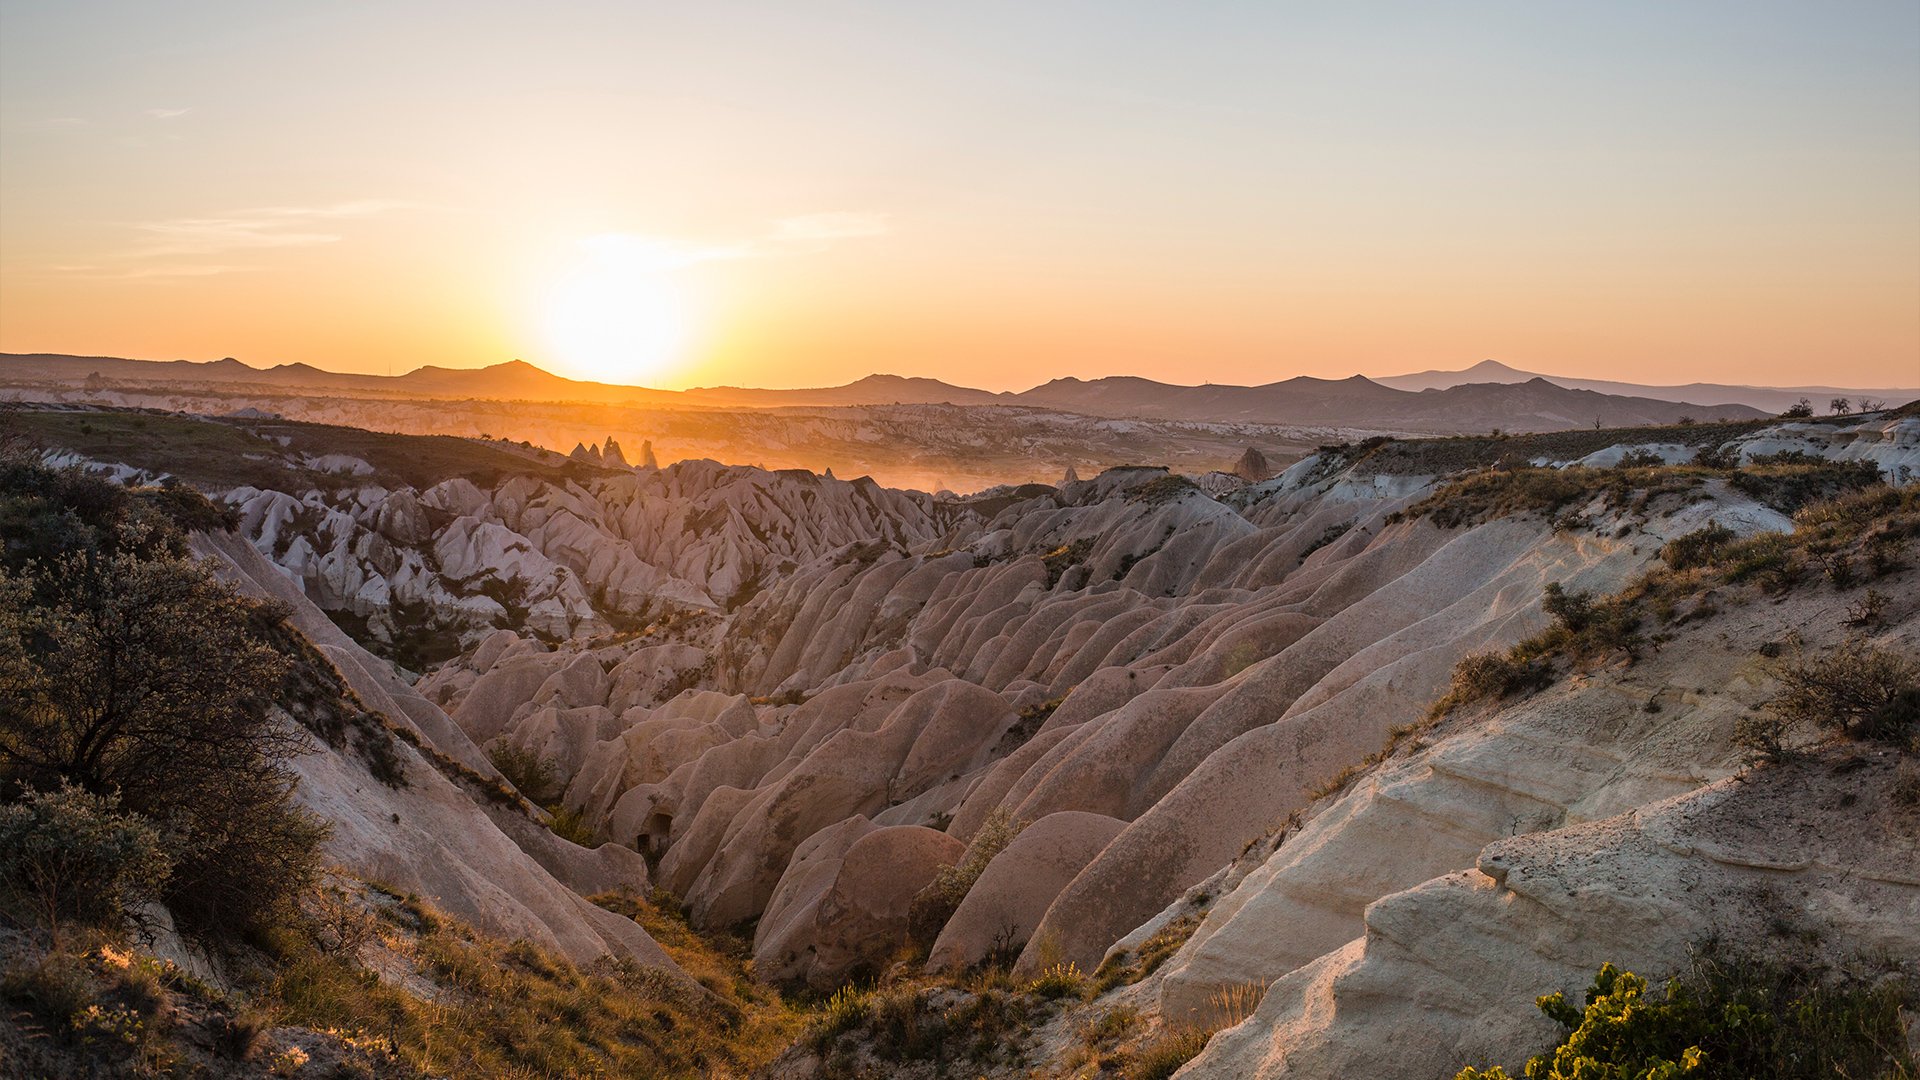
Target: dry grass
(1125, 969)
(1163, 1056)
(513, 1008)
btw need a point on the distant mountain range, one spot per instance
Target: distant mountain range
(1772, 399)
(1483, 397)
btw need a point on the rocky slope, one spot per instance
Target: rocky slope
(433, 833)
(1198, 726)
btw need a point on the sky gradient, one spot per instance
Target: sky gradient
(993, 194)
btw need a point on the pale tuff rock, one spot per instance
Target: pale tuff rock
(862, 916)
(1161, 684)
(568, 560)
(430, 836)
(1005, 905)
(1445, 972)
(784, 939)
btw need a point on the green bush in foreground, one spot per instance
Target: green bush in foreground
(1723, 1022)
(75, 857)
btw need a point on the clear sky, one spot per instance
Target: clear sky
(785, 194)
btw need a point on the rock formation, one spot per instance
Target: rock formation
(1207, 705)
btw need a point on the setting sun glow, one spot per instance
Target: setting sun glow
(617, 316)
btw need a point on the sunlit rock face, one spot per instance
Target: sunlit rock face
(1437, 975)
(801, 699)
(568, 560)
(496, 868)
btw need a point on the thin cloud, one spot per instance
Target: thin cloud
(159, 271)
(167, 114)
(787, 236)
(265, 227)
(647, 254)
(834, 225)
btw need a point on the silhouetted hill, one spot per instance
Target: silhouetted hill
(872, 390)
(1769, 399)
(1502, 401)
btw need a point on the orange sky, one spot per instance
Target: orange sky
(994, 195)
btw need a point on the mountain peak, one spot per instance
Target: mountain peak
(1492, 367)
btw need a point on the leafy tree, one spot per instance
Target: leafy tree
(1800, 410)
(1840, 406)
(128, 670)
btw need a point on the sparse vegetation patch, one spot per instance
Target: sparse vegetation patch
(1732, 1018)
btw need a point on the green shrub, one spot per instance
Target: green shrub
(1123, 969)
(844, 1011)
(1059, 981)
(905, 1024)
(534, 776)
(1853, 690)
(1490, 677)
(1585, 627)
(1163, 489)
(1770, 559)
(77, 857)
(54, 988)
(1523, 490)
(1788, 484)
(1723, 1020)
(1110, 1025)
(572, 825)
(936, 903)
(1697, 548)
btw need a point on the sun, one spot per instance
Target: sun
(618, 316)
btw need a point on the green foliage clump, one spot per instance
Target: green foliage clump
(1721, 1022)
(75, 856)
(1163, 489)
(538, 779)
(535, 777)
(936, 903)
(1585, 627)
(1506, 493)
(1640, 459)
(1853, 690)
(1065, 557)
(1697, 548)
(844, 1011)
(1059, 981)
(1788, 483)
(1489, 676)
(127, 667)
(907, 1024)
(1125, 969)
(1026, 725)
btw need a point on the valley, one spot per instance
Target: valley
(1067, 779)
